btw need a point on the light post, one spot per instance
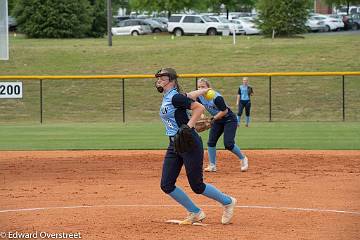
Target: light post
(109, 22)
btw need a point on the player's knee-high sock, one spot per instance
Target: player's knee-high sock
(212, 155)
(180, 196)
(237, 152)
(247, 120)
(213, 193)
(238, 119)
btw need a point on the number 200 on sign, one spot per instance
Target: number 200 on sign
(10, 89)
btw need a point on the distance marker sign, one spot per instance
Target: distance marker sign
(11, 90)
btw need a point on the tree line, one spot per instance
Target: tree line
(87, 18)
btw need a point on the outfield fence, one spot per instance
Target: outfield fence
(279, 96)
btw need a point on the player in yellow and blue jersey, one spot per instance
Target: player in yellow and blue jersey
(224, 122)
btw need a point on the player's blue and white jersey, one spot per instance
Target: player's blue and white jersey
(173, 111)
(243, 89)
(214, 105)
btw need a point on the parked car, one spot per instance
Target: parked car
(355, 21)
(331, 22)
(236, 15)
(180, 24)
(155, 26)
(248, 25)
(339, 20)
(232, 25)
(352, 10)
(162, 20)
(122, 18)
(315, 25)
(131, 27)
(348, 22)
(12, 23)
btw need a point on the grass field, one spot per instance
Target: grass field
(293, 98)
(151, 136)
(192, 54)
(66, 103)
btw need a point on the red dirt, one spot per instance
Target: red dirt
(325, 180)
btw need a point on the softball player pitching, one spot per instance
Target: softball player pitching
(224, 122)
(185, 148)
(243, 101)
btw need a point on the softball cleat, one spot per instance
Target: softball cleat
(210, 168)
(228, 211)
(244, 164)
(193, 218)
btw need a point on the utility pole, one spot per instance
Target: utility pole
(109, 22)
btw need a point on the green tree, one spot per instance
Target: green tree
(232, 5)
(283, 18)
(99, 18)
(53, 18)
(173, 6)
(11, 4)
(116, 4)
(170, 6)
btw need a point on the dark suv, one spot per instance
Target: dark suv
(355, 21)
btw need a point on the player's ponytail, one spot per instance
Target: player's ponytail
(177, 85)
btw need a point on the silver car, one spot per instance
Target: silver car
(132, 27)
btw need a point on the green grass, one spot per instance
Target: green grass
(192, 54)
(86, 114)
(151, 136)
(294, 98)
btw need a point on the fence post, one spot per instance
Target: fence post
(41, 102)
(123, 99)
(269, 98)
(196, 80)
(343, 97)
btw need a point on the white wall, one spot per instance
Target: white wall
(4, 31)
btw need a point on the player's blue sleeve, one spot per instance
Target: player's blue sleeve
(181, 101)
(220, 103)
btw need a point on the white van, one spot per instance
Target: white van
(342, 11)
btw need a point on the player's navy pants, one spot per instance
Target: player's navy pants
(244, 104)
(228, 126)
(193, 162)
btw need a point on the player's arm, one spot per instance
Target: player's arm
(220, 114)
(182, 101)
(197, 110)
(238, 97)
(197, 93)
(220, 104)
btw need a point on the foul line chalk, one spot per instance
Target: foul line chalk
(151, 206)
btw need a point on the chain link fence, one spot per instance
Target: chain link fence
(294, 97)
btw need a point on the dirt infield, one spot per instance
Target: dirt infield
(286, 194)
